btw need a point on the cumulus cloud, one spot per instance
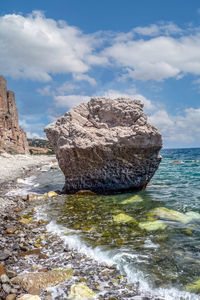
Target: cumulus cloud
(35, 47)
(182, 128)
(69, 101)
(168, 28)
(157, 58)
(85, 77)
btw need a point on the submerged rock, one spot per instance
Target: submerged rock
(123, 218)
(170, 214)
(152, 225)
(106, 145)
(133, 199)
(81, 291)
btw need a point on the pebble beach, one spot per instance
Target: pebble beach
(27, 247)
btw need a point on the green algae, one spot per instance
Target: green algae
(193, 287)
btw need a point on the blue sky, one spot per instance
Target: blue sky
(57, 54)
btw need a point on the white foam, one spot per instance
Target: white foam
(24, 188)
(118, 257)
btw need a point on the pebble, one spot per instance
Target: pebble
(4, 278)
(6, 288)
(3, 255)
(11, 297)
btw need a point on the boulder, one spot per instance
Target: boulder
(106, 145)
(42, 280)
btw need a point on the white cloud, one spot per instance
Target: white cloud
(157, 58)
(182, 128)
(35, 47)
(84, 77)
(34, 135)
(45, 91)
(168, 28)
(69, 101)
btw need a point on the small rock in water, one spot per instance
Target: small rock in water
(81, 291)
(123, 218)
(52, 194)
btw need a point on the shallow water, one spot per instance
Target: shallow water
(166, 260)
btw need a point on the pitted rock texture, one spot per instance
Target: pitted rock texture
(12, 136)
(106, 145)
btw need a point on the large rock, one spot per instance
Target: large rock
(12, 136)
(106, 145)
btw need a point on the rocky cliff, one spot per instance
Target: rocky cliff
(106, 145)
(12, 136)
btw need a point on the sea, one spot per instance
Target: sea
(152, 236)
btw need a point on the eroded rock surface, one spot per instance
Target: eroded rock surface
(106, 145)
(12, 136)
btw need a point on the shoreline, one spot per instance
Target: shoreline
(26, 246)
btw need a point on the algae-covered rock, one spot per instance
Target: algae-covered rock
(170, 214)
(81, 291)
(42, 280)
(123, 218)
(152, 225)
(193, 287)
(133, 199)
(52, 194)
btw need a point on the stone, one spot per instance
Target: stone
(12, 136)
(123, 218)
(170, 214)
(10, 230)
(11, 297)
(4, 255)
(42, 280)
(35, 197)
(133, 199)
(2, 270)
(152, 225)
(52, 194)
(106, 145)
(81, 291)
(4, 278)
(6, 287)
(29, 297)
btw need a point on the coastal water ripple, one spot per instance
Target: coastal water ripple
(152, 236)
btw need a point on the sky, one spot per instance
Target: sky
(57, 54)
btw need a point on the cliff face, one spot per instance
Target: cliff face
(12, 136)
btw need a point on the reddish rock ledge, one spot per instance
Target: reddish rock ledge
(12, 136)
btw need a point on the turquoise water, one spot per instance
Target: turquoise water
(164, 259)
